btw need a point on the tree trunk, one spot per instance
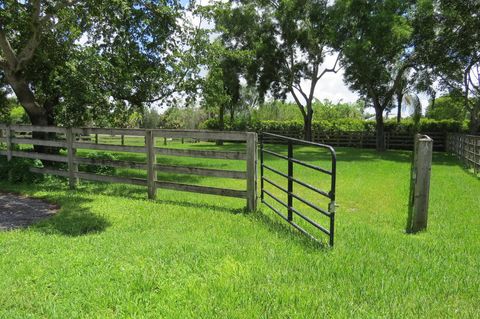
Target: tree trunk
(474, 127)
(38, 115)
(232, 114)
(434, 98)
(399, 105)
(307, 125)
(380, 128)
(26, 98)
(221, 122)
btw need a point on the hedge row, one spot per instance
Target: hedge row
(342, 125)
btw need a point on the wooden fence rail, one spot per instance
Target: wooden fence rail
(466, 148)
(70, 140)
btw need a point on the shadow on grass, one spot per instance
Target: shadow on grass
(277, 225)
(200, 206)
(73, 219)
(139, 192)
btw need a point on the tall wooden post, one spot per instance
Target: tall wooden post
(420, 184)
(72, 166)
(151, 162)
(252, 171)
(8, 137)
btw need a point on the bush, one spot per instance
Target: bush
(18, 170)
(100, 169)
(340, 125)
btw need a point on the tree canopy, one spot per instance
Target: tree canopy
(91, 62)
(76, 62)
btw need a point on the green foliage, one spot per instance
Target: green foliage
(151, 119)
(10, 111)
(18, 115)
(450, 47)
(376, 40)
(17, 170)
(374, 37)
(323, 110)
(447, 107)
(341, 125)
(98, 62)
(101, 169)
(182, 118)
(289, 41)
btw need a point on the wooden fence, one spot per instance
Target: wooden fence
(393, 140)
(466, 148)
(72, 139)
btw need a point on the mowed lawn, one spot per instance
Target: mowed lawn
(110, 252)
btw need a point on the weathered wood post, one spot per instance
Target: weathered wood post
(8, 138)
(252, 171)
(71, 152)
(420, 184)
(151, 162)
(96, 138)
(122, 139)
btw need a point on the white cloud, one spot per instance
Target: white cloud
(332, 87)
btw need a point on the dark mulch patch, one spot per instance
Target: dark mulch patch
(20, 211)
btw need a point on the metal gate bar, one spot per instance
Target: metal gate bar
(292, 181)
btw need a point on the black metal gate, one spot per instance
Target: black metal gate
(292, 181)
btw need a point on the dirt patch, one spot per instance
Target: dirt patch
(19, 211)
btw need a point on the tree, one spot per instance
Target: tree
(77, 62)
(289, 41)
(149, 50)
(22, 27)
(221, 90)
(375, 38)
(447, 108)
(400, 92)
(454, 25)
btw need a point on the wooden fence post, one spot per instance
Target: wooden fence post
(420, 184)
(96, 138)
(122, 139)
(151, 161)
(72, 167)
(252, 171)
(8, 137)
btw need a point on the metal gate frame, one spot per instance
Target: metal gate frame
(291, 181)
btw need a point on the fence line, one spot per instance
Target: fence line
(71, 139)
(393, 140)
(466, 148)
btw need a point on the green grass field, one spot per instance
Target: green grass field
(109, 252)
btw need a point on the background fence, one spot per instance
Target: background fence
(69, 140)
(393, 140)
(466, 148)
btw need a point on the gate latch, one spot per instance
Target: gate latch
(331, 207)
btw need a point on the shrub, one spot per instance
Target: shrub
(18, 170)
(340, 125)
(100, 169)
